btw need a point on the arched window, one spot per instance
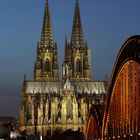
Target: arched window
(48, 67)
(69, 108)
(78, 65)
(49, 111)
(29, 110)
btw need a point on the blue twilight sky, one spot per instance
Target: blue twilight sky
(106, 24)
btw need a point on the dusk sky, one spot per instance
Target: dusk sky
(106, 24)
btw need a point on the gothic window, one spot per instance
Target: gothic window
(59, 114)
(59, 106)
(78, 65)
(29, 110)
(69, 108)
(48, 67)
(49, 111)
(85, 64)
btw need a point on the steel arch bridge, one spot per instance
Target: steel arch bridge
(122, 112)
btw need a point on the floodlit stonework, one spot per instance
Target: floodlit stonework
(49, 103)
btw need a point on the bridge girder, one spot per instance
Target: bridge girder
(123, 97)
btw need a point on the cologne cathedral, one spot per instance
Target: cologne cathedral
(50, 104)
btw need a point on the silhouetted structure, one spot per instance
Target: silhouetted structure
(7, 124)
(68, 135)
(94, 122)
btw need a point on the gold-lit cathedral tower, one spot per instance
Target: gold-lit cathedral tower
(46, 66)
(48, 103)
(76, 59)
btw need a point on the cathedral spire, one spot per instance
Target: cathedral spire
(65, 50)
(46, 66)
(77, 33)
(47, 35)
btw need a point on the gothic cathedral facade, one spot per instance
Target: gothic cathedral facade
(50, 104)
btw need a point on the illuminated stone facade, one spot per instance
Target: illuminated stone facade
(48, 103)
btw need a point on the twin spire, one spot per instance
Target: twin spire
(77, 33)
(47, 33)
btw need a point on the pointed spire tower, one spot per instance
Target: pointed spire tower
(47, 35)
(66, 61)
(66, 51)
(46, 66)
(77, 32)
(78, 64)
